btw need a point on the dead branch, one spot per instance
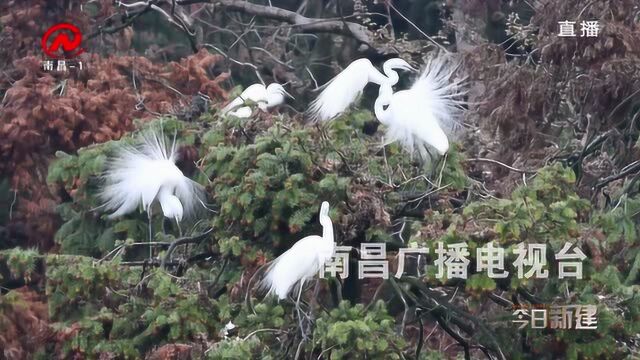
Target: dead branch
(182, 241)
(303, 23)
(629, 169)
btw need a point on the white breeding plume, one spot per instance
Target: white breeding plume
(142, 175)
(343, 90)
(427, 113)
(266, 98)
(303, 261)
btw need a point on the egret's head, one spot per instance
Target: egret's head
(324, 214)
(385, 93)
(276, 90)
(442, 145)
(399, 64)
(171, 207)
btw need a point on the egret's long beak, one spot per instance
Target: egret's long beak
(289, 95)
(411, 69)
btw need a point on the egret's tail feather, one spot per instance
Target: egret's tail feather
(444, 97)
(269, 284)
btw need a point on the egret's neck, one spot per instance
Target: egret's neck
(274, 100)
(164, 194)
(378, 107)
(392, 75)
(377, 77)
(327, 230)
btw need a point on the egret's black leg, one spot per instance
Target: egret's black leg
(300, 323)
(150, 232)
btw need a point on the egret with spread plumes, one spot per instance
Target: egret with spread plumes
(146, 174)
(426, 114)
(302, 262)
(265, 98)
(343, 90)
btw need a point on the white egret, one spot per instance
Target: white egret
(146, 175)
(265, 97)
(343, 90)
(303, 261)
(423, 114)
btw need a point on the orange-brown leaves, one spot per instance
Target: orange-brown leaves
(24, 324)
(48, 111)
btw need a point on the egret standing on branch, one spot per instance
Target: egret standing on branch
(423, 115)
(303, 261)
(146, 175)
(343, 90)
(266, 98)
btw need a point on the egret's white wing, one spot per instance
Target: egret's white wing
(342, 91)
(255, 93)
(299, 262)
(243, 112)
(233, 104)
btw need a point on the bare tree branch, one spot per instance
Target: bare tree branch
(182, 241)
(303, 23)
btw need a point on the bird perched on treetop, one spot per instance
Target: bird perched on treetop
(425, 114)
(265, 97)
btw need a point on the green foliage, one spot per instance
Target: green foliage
(546, 211)
(265, 315)
(113, 312)
(270, 185)
(619, 222)
(266, 179)
(453, 174)
(237, 348)
(21, 263)
(76, 286)
(85, 231)
(354, 332)
(480, 283)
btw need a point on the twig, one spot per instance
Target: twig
(127, 21)
(13, 202)
(312, 77)
(502, 164)
(461, 341)
(303, 23)
(261, 330)
(416, 27)
(181, 241)
(631, 168)
(420, 338)
(224, 266)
